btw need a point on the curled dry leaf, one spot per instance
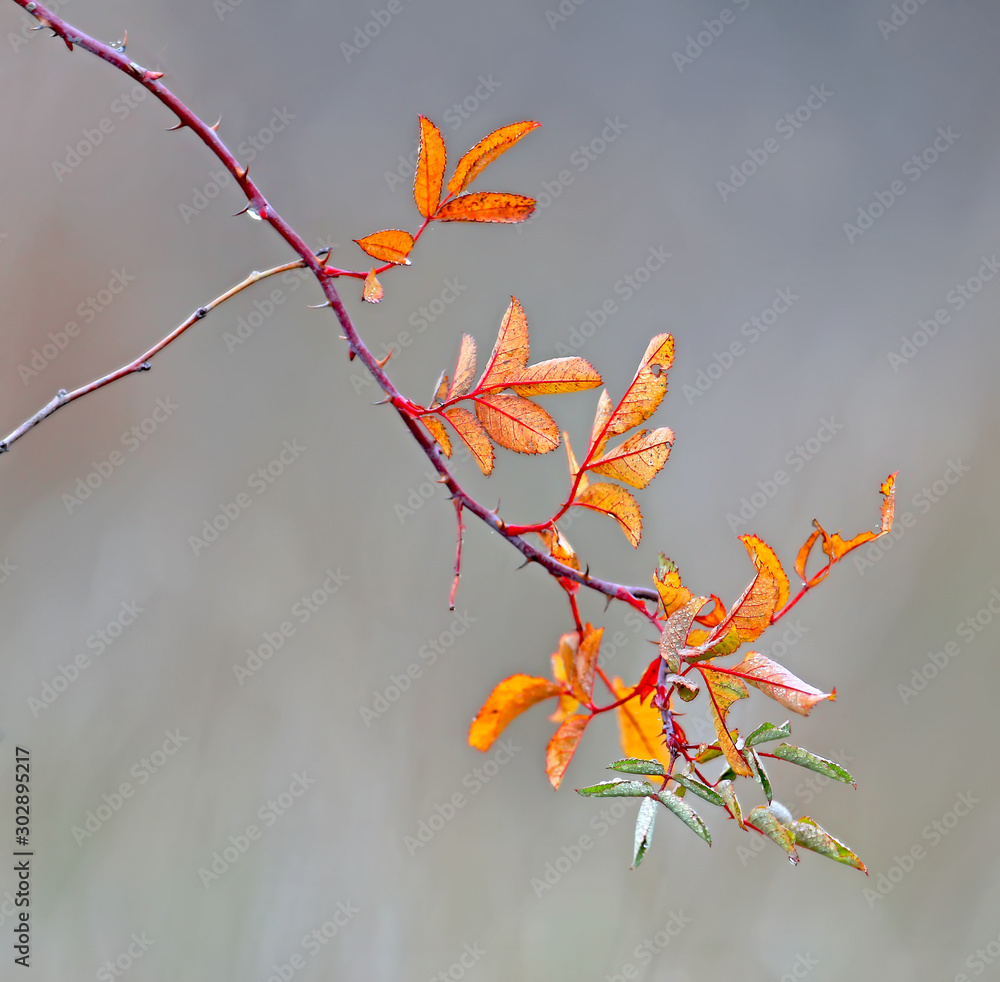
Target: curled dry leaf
(372, 292)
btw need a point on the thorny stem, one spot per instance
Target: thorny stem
(259, 207)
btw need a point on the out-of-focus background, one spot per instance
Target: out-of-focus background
(828, 170)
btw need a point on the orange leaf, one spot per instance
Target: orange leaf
(563, 670)
(485, 152)
(598, 434)
(430, 169)
(391, 245)
(667, 580)
(640, 727)
(574, 467)
(646, 392)
(473, 435)
(465, 370)
(559, 547)
(639, 459)
(510, 353)
(675, 632)
(438, 432)
(372, 293)
(584, 662)
(509, 699)
(440, 391)
(517, 423)
(562, 746)
(751, 614)
(614, 500)
(776, 681)
(554, 375)
(723, 691)
(487, 206)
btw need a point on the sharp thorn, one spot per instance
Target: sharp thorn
(179, 126)
(382, 402)
(385, 360)
(525, 563)
(320, 306)
(215, 126)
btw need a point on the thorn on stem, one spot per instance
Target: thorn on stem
(385, 360)
(320, 306)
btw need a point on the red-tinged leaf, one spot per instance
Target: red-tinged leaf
(392, 245)
(614, 500)
(439, 433)
(585, 662)
(559, 547)
(509, 699)
(564, 671)
(598, 432)
(372, 292)
(574, 467)
(430, 169)
(727, 793)
(517, 423)
(780, 684)
(440, 391)
(809, 835)
(768, 592)
(641, 728)
(765, 821)
(647, 684)
(639, 459)
(465, 370)
(554, 375)
(485, 152)
(647, 390)
(676, 630)
(473, 435)
(667, 580)
(562, 746)
(510, 353)
(486, 206)
(723, 691)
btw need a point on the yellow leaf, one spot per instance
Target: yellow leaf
(392, 245)
(509, 699)
(465, 370)
(647, 390)
(554, 375)
(639, 459)
(751, 614)
(598, 432)
(584, 662)
(776, 681)
(517, 423)
(440, 391)
(430, 169)
(723, 691)
(559, 547)
(641, 728)
(510, 353)
(438, 432)
(473, 435)
(372, 292)
(485, 152)
(614, 500)
(574, 467)
(673, 593)
(563, 670)
(487, 206)
(562, 746)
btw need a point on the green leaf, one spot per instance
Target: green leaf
(702, 790)
(728, 795)
(709, 753)
(726, 645)
(761, 774)
(618, 789)
(633, 765)
(685, 813)
(686, 689)
(809, 835)
(643, 830)
(821, 765)
(764, 821)
(767, 732)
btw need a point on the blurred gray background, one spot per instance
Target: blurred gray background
(689, 93)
